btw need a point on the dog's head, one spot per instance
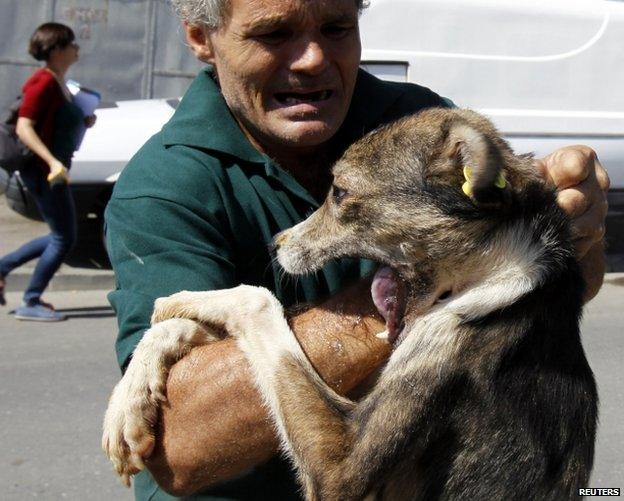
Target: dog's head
(422, 190)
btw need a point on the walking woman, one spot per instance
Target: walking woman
(49, 124)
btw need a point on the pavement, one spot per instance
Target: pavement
(16, 230)
(56, 380)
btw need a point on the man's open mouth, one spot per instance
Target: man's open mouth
(389, 294)
(293, 98)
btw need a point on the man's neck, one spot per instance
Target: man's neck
(312, 169)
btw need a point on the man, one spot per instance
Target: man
(246, 155)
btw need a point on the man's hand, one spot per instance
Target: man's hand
(582, 185)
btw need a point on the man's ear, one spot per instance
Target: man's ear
(198, 39)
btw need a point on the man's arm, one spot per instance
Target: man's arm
(214, 425)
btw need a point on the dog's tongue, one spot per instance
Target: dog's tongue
(388, 292)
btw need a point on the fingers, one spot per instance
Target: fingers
(574, 201)
(593, 267)
(602, 176)
(587, 211)
(567, 166)
(585, 227)
(582, 246)
(582, 184)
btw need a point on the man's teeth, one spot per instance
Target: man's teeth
(292, 99)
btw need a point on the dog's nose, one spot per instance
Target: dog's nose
(280, 239)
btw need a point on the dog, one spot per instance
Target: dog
(487, 392)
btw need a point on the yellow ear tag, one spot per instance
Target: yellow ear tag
(500, 181)
(466, 187)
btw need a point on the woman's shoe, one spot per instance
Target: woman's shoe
(38, 312)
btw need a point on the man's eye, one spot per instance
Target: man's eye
(337, 31)
(273, 37)
(338, 194)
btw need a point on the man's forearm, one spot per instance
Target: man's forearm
(214, 425)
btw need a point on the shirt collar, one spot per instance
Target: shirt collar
(190, 126)
(203, 120)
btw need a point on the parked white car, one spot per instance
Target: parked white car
(549, 74)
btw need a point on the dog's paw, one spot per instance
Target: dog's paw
(218, 309)
(128, 430)
(179, 305)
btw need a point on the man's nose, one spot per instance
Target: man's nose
(311, 57)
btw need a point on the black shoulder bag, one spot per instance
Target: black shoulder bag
(14, 154)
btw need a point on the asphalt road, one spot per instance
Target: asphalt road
(55, 382)
(56, 378)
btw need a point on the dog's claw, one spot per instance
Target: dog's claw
(128, 437)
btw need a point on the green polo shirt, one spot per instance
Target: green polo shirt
(196, 209)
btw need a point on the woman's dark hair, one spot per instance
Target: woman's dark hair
(47, 37)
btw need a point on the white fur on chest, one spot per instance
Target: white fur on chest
(513, 269)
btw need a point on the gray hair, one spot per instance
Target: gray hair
(210, 13)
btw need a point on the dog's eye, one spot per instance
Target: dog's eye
(338, 194)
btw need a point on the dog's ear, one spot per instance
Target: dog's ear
(482, 164)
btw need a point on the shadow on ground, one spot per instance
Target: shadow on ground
(85, 312)
(88, 312)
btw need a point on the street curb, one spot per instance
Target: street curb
(70, 279)
(66, 279)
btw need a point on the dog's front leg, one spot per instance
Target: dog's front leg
(256, 318)
(128, 435)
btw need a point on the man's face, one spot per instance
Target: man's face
(287, 68)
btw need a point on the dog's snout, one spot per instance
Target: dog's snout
(280, 239)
